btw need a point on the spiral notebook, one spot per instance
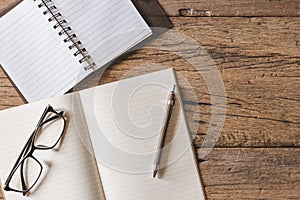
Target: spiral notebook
(48, 46)
(74, 173)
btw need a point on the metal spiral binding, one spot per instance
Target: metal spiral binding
(66, 30)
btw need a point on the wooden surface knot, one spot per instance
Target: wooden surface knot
(190, 12)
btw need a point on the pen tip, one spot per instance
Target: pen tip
(154, 173)
(174, 87)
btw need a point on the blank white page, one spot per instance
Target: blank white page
(124, 123)
(106, 28)
(70, 172)
(34, 55)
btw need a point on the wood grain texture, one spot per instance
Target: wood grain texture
(230, 8)
(257, 155)
(6, 5)
(1, 194)
(249, 173)
(260, 69)
(259, 61)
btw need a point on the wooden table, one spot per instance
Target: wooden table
(256, 46)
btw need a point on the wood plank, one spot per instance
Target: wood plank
(250, 191)
(272, 173)
(1, 190)
(6, 5)
(231, 8)
(9, 95)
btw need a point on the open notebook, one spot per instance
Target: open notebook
(102, 155)
(47, 47)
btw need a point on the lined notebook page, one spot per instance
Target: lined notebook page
(106, 28)
(33, 54)
(71, 172)
(124, 122)
(41, 64)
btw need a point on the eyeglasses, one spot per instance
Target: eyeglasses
(46, 135)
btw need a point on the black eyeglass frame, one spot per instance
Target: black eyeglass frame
(30, 147)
